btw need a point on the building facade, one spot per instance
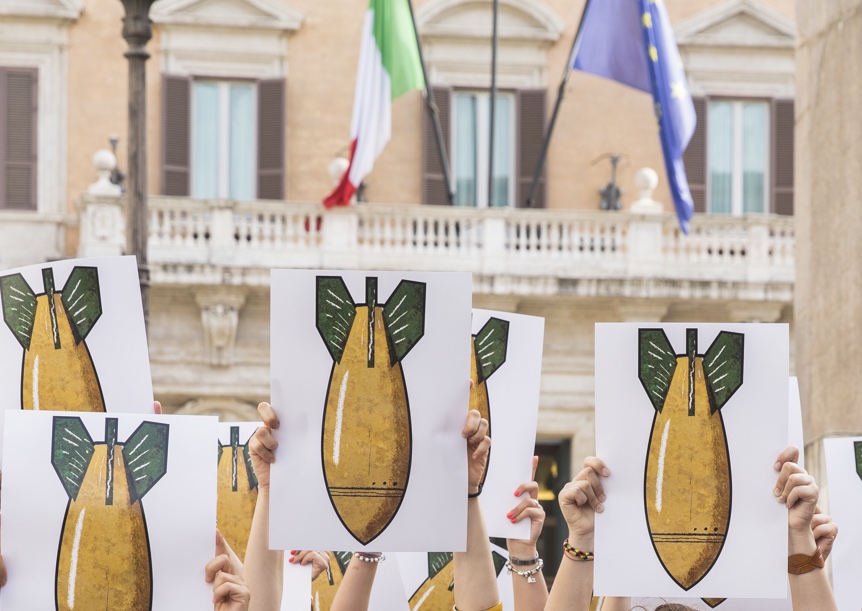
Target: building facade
(249, 104)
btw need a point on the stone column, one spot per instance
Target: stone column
(828, 190)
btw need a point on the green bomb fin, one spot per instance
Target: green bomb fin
(146, 456)
(19, 307)
(335, 314)
(723, 367)
(404, 316)
(656, 364)
(83, 301)
(71, 451)
(490, 346)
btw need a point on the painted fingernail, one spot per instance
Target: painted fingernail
(291, 560)
(600, 508)
(605, 472)
(509, 515)
(513, 520)
(292, 552)
(517, 493)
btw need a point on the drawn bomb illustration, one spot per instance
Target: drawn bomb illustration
(687, 480)
(437, 592)
(237, 493)
(57, 372)
(366, 422)
(103, 560)
(323, 588)
(487, 355)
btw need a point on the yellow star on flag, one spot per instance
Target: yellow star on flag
(653, 53)
(647, 20)
(677, 89)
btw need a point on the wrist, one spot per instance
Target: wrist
(582, 541)
(801, 543)
(521, 549)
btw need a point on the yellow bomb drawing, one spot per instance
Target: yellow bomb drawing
(687, 481)
(487, 355)
(367, 438)
(437, 592)
(103, 562)
(58, 372)
(237, 493)
(323, 588)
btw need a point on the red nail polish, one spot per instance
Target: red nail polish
(509, 515)
(291, 560)
(292, 552)
(513, 520)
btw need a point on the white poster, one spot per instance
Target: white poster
(103, 507)
(370, 381)
(429, 579)
(73, 338)
(296, 587)
(237, 484)
(794, 420)
(689, 420)
(506, 366)
(844, 477)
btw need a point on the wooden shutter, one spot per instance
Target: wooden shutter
(176, 135)
(270, 138)
(532, 108)
(434, 189)
(18, 123)
(694, 157)
(783, 125)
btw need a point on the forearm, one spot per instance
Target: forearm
(475, 577)
(354, 593)
(573, 585)
(264, 568)
(810, 590)
(528, 596)
(616, 603)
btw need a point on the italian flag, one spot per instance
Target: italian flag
(388, 66)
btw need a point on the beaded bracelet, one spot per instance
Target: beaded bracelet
(369, 557)
(524, 562)
(528, 574)
(576, 554)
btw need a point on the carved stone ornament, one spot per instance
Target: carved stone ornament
(220, 318)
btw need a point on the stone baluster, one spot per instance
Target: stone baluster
(103, 222)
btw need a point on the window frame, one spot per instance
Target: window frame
(737, 193)
(483, 107)
(223, 88)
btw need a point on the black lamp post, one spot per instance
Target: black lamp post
(137, 30)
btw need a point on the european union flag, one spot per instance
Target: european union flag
(631, 41)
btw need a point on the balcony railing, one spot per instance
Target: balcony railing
(552, 243)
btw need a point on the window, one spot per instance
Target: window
(738, 157)
(224, 140)
(470, 157)
(18, 120)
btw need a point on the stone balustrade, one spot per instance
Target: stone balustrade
(528, 251)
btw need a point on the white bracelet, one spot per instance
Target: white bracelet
(528, 574)
(370, 557)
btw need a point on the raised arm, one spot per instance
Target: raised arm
(264, 568)
(475, 577)
(523, 557)
(354, 593)
(809, 586)
(579, 502)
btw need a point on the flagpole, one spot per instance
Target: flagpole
(493, 104)
(431, 105)
(576, 44)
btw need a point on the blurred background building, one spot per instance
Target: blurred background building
(249, 108)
